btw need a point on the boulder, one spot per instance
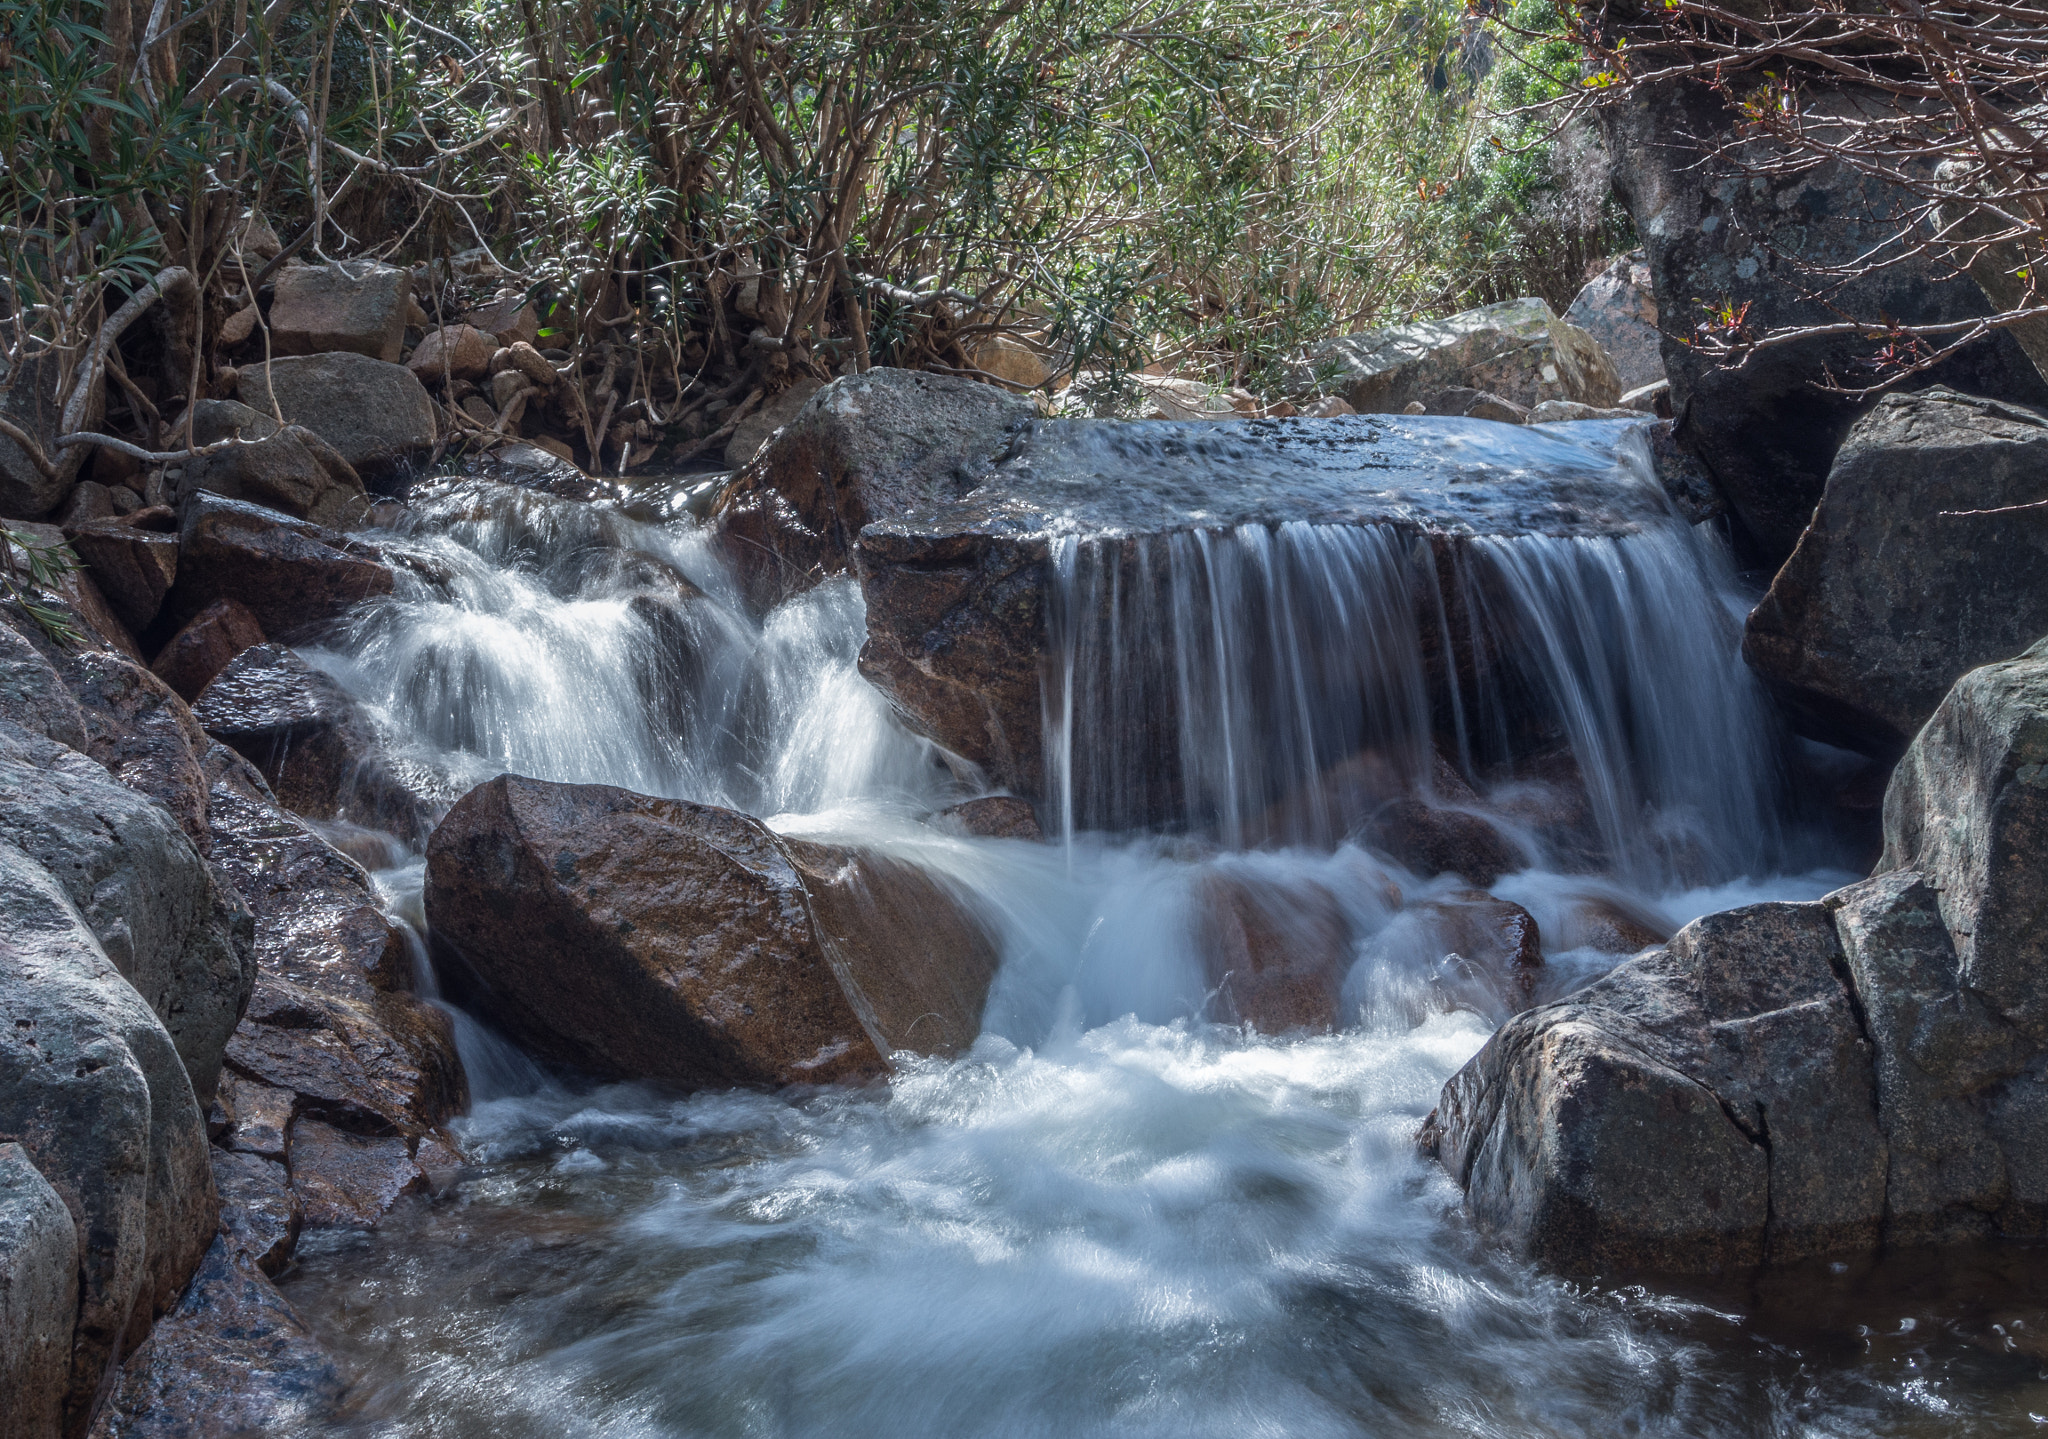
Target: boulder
(260, 1213)
(1618, 308)
(1011, 360)
(33, 694)
(1473, 404)
(294, 471)
(996, 816)
(1683, 475)
(1432, 839)
(181, 940)
(1478, 952)
(354, 305)
(349, 1180)
(1706, 1105)
(132, 564)
(453, 352)
(508, 319)
(656, 939)
(92, 1089)
(1968, 808)
(1927, 556)
(195, 654)
(294, 576)
(77, 593)
(38, 1298)
(751, 433)
(310, 741)
(961, 589)
(1517, 350)
(376, 416)
(1274, 953)
(1718, 230)
(233, 1359)
(866, 447)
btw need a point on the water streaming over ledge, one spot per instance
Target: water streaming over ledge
(1114, 1216)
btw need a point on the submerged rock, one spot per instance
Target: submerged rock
(1927, 556)
(1275, 954)
(644, 938)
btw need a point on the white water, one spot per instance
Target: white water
(1114, 1216)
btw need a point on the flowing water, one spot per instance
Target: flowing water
(1116, 1215)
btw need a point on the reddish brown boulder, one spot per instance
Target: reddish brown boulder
(1609, 926)
(1276, 954)
(349, 1179)
(460, 352)
(1490, 950)
(202, 649)
(1433, 839)
(996, 816)
(294, 576)
(656, 939)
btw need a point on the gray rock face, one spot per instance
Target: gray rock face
(309, 739)
(1618, 308)
(1916, 567)
(1788, 1080)
(180, 939)
(38, 1298)
(1968, 808)
(1705, 1105)
(354, 305)
(294, 576)
(866, 447)
(1518, 350)
(647, 938)
(1714, 234)
(92, 1090)
(376, 415)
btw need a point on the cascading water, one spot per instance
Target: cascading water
(1114, 1216)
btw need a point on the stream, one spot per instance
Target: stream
(1120, 1213)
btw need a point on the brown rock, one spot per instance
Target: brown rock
(459, 352)
(293, 471)
(348, 1179)
(309, 739)
(195, 654)
(1489, 945)
(996, 816)
(1276, 954)
(133, 567)
(260, 1212)
(1431, 839)
(294, 576)
(529, 362)
(81, 595)
(509, 319)
(708, 951)
(1609, 926)
(261, 1116)
(866, 447)
(142, 733)
(357, 306)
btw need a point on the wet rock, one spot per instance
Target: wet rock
(32, 694)
(376, 416)
(294, 576)
(1275, 953)
(180, 939)
(864, 448)
(132, 566)
(78, 596)
(92, 1089)
(1475, 405)
(1485, 953)
(1968, 809)
(293, 471)
(708, 951)
(1718, 231)
(1570, 412)
(1517, 350)
(1704, 1106)
(345, 1179)
(38, 1297)
(1618, 308)
(996, 816)
(756, 429)
(958, 589)
(1432, 839)
(232, 1361)
(1922, 561)
(1685, 478)
(353, 305)
(309, 739)
(260, 1212)
(1609, 926)
(195, 654)
(259, 1116)
(456, 352)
